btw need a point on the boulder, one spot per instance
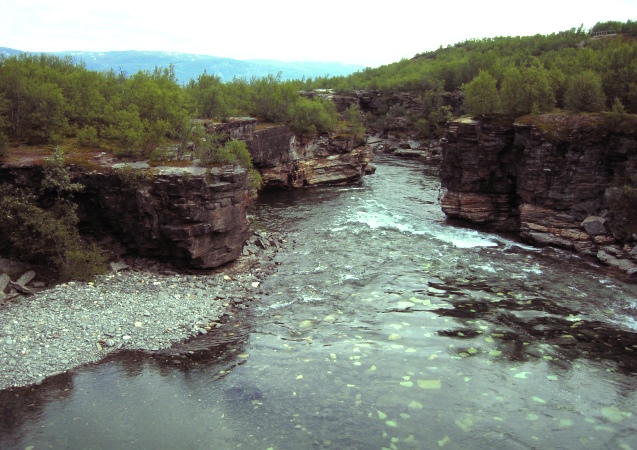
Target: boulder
(622, 264)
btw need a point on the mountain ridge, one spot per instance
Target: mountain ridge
(190, 65)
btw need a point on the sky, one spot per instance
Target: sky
(368, 33)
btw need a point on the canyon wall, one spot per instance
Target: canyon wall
(549, 177)
(285, 160)
(190, 216)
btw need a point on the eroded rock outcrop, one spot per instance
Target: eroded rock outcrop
(285, 160)
(547, 177)
(190, 216)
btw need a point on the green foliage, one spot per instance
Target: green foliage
(617, 112)
(526, 90)
(48, 235)
(434, 111)
(211, 150)
(481, 95)
(630, 26)
(87, 137)
(270, 98)
(584, 93)
(134, 178)
(207, 148)
(127, 129)
(352, 116)
(255, 181)
(308, 116)
(57, 178)
(208, 97)
(237, 152)
(44, 98)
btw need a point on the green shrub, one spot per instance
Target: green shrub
(584, 93)
(87, 137)
(617, 112)
(255, 181)
(134, 178)
(527, 90)
(56, 178)
(48, 236)
(210, 152)
(352, 115)
(481, 95)
(308, 116)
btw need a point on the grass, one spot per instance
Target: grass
(560, 125)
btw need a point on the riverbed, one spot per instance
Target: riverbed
(384, 326)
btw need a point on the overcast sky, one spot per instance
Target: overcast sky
(368, 33)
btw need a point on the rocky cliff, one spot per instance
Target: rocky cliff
(285, 160)
(189, 216)
(547, 177)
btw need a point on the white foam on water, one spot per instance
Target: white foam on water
(464, 238)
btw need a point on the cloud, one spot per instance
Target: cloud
(357, 32)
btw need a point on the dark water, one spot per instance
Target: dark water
(384, 327)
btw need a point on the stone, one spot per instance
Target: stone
(21, 289)
(26, 277)
(621, 264)
(117, 266)
(4, 282)
(285, 160)
(603, 239)
(594, 225)
(12, 267)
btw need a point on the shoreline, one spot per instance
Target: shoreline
(78, 323)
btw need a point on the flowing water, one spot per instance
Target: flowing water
(383, 327)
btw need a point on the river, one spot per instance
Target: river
(384, 327)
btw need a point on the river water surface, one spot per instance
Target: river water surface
(383, 327)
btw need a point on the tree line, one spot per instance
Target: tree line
(531, 73)
(47, 99)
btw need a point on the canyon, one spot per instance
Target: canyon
(551, 179)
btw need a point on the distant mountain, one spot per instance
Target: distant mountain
(189, 66)
(4, 51)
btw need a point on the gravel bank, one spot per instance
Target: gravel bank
(78, 323)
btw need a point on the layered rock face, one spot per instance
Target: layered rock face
(284, 160)
(478, 171)
(188, 216)
(547, 177)
(287, 161)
